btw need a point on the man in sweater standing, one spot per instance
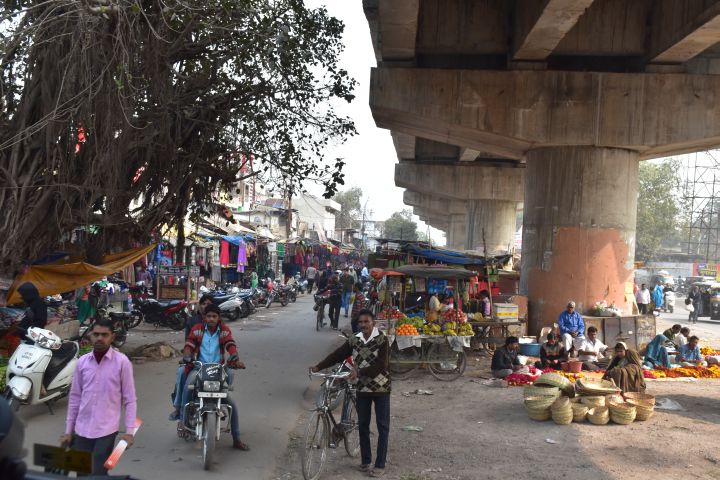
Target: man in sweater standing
(102, 385)
(370, 351)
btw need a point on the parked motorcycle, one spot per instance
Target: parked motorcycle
(40, 371)
(205, 413)
(277, 294)
(171, 313)
(301, 284)
(290, 292)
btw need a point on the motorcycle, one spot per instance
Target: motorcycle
(205, 413)
(290, 292)
(277, 294)
(40, 371)
(669, 303)
(301, 284)
(171, 313)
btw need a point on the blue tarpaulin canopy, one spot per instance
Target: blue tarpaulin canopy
(450, 256)
(236, 239)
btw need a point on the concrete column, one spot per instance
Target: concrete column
(578, 229)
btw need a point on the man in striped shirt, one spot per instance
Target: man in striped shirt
(360, 303)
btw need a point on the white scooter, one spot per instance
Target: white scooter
(40, 371)
(669, 305)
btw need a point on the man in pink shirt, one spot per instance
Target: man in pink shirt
(102, 385)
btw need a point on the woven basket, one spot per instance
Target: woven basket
(579, 412)
(539, 415)
(553, 380)
(575, 399)
(615, 397)
(639, 396)
(644, 409)
(535, 403)
(594, 401)
(563, 416)
(622, 413)
(561, 403)
(590, 387)
(541, 391)
(598, 415)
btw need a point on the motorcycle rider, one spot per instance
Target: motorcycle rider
(36, 312)
(209, 342)
(335, 300)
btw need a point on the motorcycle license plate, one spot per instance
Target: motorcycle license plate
(212, 394)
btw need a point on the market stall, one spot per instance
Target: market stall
(429, 337)
(178, 283)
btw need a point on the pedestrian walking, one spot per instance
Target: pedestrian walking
(102, 385)
(310, 274)
(370, 352)
(347, 281)
(335, 300)
(643, 299)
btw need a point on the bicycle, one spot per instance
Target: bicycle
(318, 434)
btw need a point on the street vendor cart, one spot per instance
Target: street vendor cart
(437, 342)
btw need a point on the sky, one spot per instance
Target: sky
(370, 155)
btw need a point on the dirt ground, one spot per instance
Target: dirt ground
(473, 431)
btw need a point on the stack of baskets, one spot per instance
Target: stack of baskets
(541, 391)
(593, 401)
(561, 411)
(556, 380)
(598, 415)
(622, 413)
(588, 387)
(580, 412)
(538, 408)
(644, 404)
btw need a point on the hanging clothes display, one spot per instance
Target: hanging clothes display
(242, 257)
(224, 253)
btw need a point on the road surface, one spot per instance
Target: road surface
(277, 345)
(708, 330)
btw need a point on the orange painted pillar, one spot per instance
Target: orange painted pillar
(578, 229)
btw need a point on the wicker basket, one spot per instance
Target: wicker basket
(644, 409)
(598, 415)
(589, 387)
(563, 416)
(541, 391)
(575, 399)
(579, 412)
(615, 397)
(535, 403)
(560, 404)
(539, 415)
(622, 413)
(646, 397)
(594, 401)
(554, 380)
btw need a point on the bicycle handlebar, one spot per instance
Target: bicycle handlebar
(330, 375)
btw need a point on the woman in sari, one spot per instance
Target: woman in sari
(625, 369)
(656, 354)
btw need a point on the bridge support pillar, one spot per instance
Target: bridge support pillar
(578, 229)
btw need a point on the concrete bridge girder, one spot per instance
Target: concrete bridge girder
(462, 182)
(506, 112)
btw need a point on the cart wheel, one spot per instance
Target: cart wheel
(403, 371)
(445, 363)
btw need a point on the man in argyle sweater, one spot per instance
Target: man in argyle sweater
(370, 352)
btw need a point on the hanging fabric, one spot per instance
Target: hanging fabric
(242, 257)
(224, 253)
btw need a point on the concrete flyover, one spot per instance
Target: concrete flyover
(580, 94)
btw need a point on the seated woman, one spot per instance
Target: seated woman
(625, 370)
(552, 353)
(656, 354)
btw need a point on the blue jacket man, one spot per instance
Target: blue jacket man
(571, 325)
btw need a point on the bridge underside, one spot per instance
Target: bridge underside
(557, 118)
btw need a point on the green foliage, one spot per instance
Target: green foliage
(400, 226)
(659, 207)
(351, 208)
(175, 97)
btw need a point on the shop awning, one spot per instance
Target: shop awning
(65, 276)
(451, 256)
(424, 271)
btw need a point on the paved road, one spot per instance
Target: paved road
(275, 344)
(708, 330)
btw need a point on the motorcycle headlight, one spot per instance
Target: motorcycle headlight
(211, 386)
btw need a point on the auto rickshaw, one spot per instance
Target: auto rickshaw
(710, 297)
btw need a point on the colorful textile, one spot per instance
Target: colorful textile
(242, 257)
(224, 253)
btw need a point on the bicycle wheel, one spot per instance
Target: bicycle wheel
(445, 363)
(351, 435)
(315, 445)
(399, 369)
